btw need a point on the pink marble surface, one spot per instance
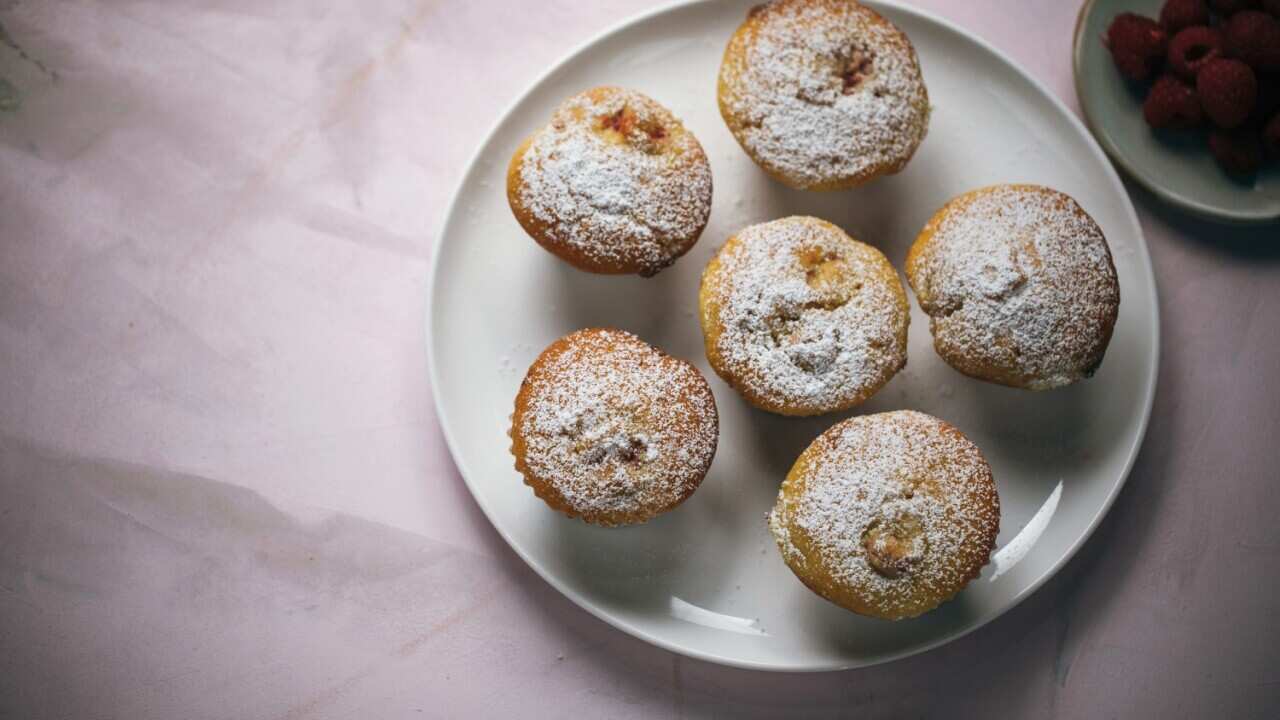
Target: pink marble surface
(223, 489)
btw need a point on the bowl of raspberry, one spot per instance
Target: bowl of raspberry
(1184, 96)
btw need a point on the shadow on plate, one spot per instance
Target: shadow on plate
(829, 625)
(639, 568)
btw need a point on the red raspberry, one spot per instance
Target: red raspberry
(1227, 90)
(1137, 45)
(1271, 136)
(1254, 37)
(1172, 104)
(1227, 8)
(1239, 153)
(1192, 49)
(1179, 14)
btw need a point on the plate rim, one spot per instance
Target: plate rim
(1198, 209)
(1145, 267)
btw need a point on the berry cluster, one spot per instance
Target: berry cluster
(1214, 63)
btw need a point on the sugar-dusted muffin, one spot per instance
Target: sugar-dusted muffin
(610, 429)
(1018, 284)
(823, 94)
(888, 515)
(614, 184)
(802, 319)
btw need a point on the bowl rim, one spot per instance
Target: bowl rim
(1199, 209)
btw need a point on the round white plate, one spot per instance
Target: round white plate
(706, 579)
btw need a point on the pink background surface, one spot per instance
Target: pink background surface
(223, 489)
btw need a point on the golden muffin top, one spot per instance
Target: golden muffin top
(1019, 285)
(823, 90)
(889, 514)
(799, 314)
(615, 177)
(617, 428)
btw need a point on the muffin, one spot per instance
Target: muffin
(802, 319)
(609, 429)
(888, 515)
(1019, 286)
(614, 184)
(823, 94)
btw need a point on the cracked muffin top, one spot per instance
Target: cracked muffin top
(614, 184)
(610, 429)
(888, 515)
(823, 94)
(802, 319)
(1019, 286)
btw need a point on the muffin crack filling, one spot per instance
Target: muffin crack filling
(626, 127)
(599, 435)
(884, 538)
(894, 546)
(855, 68)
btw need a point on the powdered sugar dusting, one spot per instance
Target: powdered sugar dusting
(618, 429)
(897, 508)
(1019, 285)
(824, 91)
(617, 178)
(807, 318)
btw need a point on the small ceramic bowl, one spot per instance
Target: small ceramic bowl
(1176, 167)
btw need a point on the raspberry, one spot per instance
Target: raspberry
(1239, 153)
(1179, 14)
(1227, 90)
(1192, 49)
(1254, 37)
(1271, 136)
(1137, 45)
(1172, 104)
(1227, 8)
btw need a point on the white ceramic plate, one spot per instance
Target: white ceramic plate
(706, 580)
